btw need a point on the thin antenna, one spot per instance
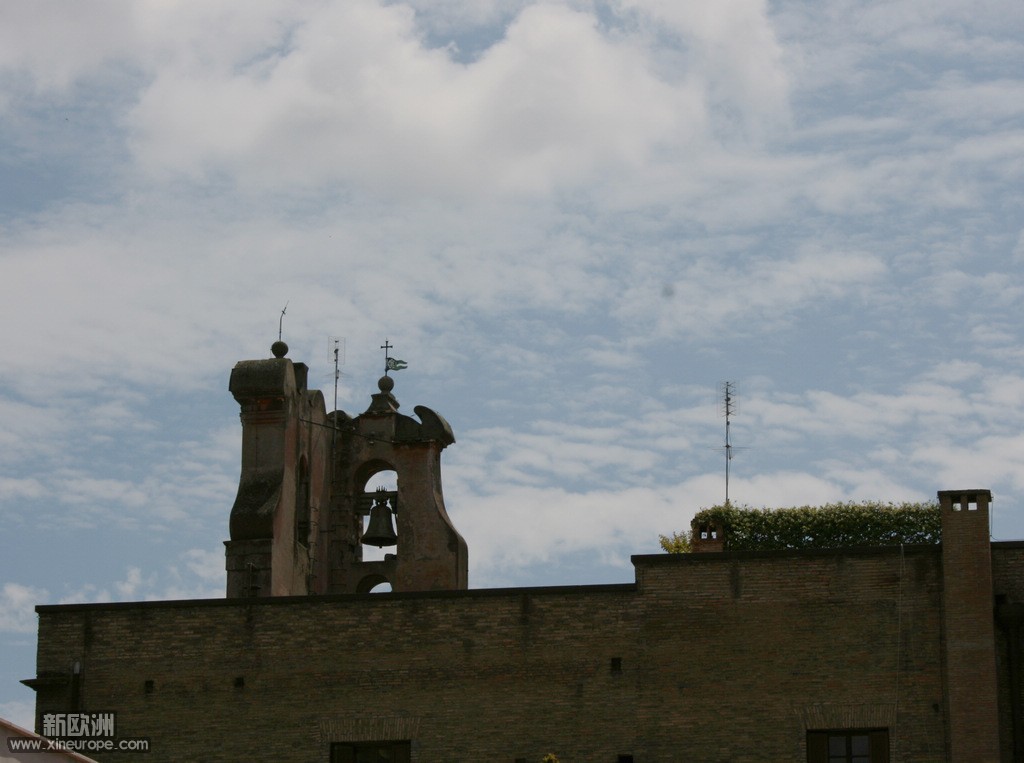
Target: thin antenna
(280, 321)
(729, 409)
(336, 346)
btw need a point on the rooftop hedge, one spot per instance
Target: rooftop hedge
(834, 525)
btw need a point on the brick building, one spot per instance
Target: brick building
(905, 653)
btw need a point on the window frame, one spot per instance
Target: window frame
(347, 752)
(818, 744)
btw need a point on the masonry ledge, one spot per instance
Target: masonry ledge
(341, 598)
(651, 560)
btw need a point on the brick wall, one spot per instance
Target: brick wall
(711, 657)
(1008, 586)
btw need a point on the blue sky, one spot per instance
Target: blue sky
(572, 219)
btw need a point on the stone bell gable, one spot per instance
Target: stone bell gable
(297, 525)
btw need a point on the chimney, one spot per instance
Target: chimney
(707, 538)
(968, 625)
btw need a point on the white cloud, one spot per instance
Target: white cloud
(28, 433)
(975, 460)
(357, 97)
(133, 580)
(196, 573)
(205, 564)
(199, 574)
(520, 529)
(57, 54)
(499, 458)
(737, 53)
(14, 488)
(17, 607)
(956, 100)
(709, 295)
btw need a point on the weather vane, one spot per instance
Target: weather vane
(390, 363)
(280, 321)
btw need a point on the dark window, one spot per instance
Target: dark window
(848, 746)
(370, 752)
(302, 505)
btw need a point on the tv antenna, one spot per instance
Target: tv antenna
(336, 348)
(729, 407)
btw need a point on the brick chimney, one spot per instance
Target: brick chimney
(968, 625)
(706, 537)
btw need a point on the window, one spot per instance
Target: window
(302, 504)
(371, 752)
(848, 746)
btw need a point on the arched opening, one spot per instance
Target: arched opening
(374, 583)
(385, 479)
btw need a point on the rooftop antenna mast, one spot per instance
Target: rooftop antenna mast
(336, 345)
(729, 409)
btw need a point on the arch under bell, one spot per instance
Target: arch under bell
(380, 530)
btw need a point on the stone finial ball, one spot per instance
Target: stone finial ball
(385, 384)
(279, 348)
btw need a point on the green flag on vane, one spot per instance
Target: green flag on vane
(394, 364)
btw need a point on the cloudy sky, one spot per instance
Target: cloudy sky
(572, 219)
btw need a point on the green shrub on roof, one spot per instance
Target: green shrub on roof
(834, 525)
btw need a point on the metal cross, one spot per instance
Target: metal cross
(280, 321)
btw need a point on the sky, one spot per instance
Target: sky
(573, 220)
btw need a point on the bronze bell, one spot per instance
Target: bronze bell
(380, 530)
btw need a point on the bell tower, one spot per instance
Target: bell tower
(308, 482)
(424, 551)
